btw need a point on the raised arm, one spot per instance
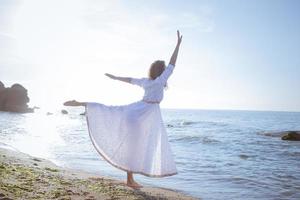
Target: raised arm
(124, 79)
(175, 53)
(134, 81)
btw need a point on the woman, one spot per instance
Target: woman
(133, 137)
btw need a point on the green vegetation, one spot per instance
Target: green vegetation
(20, 181)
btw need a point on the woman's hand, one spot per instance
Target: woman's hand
(124, 79)
(175, 53)
(110, 76)
(179, 37)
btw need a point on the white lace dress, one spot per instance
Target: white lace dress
(133, 137)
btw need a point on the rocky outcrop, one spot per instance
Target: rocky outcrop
(83, 113)
(291, 135)
(64, 112)
(14, 99)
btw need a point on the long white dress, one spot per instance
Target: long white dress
(133, 137)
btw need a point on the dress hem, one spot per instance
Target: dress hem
(117, 166)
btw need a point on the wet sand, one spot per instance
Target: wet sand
(26, 177)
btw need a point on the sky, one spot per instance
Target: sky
(235, 54)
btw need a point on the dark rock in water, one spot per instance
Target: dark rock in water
(64, 112)
(82, 113)
(14, 99)
(2, 95)
(243, 156)
(1, 86)
(291, 135)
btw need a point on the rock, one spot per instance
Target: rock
(64, 112)
(2, 95)
(243, 156)
(291, 135)
(14, 99)
(49, 113)
(1, 86)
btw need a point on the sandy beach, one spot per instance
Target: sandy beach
(25, 177)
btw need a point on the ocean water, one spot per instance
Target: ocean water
(219, 154)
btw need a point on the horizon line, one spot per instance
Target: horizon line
(229, 109)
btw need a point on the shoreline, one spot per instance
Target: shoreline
(27, 177)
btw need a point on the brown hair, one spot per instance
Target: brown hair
(156, 69)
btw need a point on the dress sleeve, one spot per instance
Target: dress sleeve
(166, 74)
(138, 81)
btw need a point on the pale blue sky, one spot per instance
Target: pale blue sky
(235, 54)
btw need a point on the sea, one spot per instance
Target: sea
(220, 154)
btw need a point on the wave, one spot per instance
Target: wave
(182, 123)
(275, 134)
(195, 123)
(292, 154)
(195, 139)
(185, 123)
(6, 146)
(247, 181)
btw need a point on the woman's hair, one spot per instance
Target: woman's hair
(156, 69)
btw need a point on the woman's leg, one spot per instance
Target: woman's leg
(131, 182)
(130, 179)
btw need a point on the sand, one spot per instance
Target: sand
(26, 177)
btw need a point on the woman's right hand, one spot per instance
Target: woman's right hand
(110, 76)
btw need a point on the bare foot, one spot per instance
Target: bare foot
(134, 185)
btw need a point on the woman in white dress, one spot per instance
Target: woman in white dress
(133, 137)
